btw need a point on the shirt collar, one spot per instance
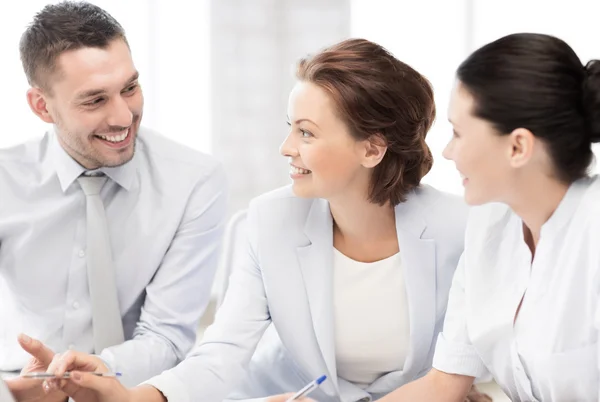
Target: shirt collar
(567, 206)
(68, 169)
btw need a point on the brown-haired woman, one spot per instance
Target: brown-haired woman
(348, 269)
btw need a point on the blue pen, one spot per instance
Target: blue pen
(310, 387)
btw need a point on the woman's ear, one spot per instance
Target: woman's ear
(522, 144)
(375, 148)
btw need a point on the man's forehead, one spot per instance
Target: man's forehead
(93, 68)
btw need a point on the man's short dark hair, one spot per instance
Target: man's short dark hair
(61, 27)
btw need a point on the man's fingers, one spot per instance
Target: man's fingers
(54, 365)
(54, 384)
(73, 360)
(70, 360)
(19, 384)
(36, 349)
(100, 384)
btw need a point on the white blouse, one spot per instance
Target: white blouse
(550, 353)
(372, 329)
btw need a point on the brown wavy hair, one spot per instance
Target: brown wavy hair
(379, 98)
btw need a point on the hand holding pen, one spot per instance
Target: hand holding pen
(308, 388)
(61, 369)
(66, 375)
(301, 394)
(49, 376)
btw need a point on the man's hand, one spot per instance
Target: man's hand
(31, 390)
(84, 386)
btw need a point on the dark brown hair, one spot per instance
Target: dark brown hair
(61, 27)
(379, 97)
(537, 82)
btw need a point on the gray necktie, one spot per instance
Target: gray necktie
(106, 315)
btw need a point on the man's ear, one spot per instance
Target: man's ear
(36, 98)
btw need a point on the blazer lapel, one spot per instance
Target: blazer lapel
(417, 254)
(316, 261)
(419, 268)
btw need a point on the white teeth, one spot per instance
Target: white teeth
(295, 170)
(116, 138)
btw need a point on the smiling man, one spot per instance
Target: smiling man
(109, 233)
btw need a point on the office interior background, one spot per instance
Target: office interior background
(217, 73)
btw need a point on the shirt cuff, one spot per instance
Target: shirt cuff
(108, 362)
(173, 389)
(457, 358)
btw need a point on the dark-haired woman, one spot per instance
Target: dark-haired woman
(524, 305)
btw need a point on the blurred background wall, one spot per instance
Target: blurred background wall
(217, 73)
